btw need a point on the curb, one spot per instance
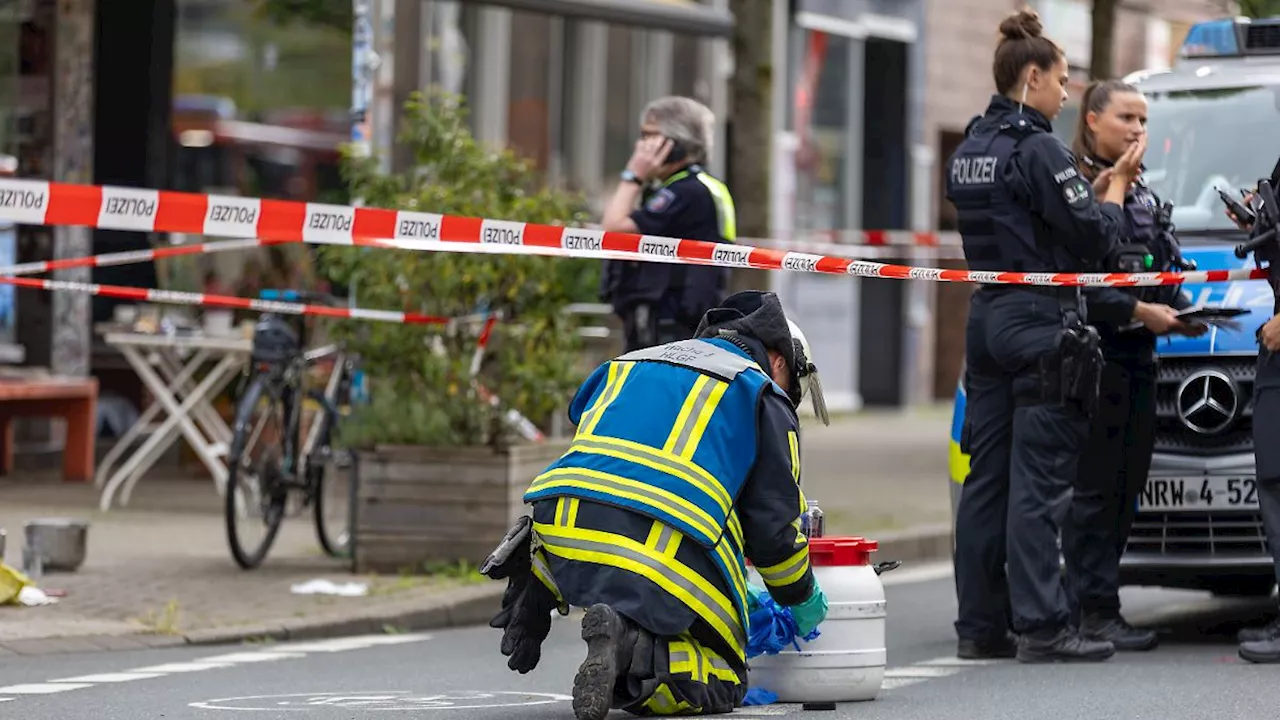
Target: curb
(924, 544)
(469, 606)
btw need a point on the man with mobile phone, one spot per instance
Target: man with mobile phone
(665, 191)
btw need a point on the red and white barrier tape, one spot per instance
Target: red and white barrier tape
(45, 203)
(136, 256)
(171, 297)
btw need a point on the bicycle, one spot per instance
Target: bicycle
(277, 378)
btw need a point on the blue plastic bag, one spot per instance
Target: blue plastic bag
(771, 626)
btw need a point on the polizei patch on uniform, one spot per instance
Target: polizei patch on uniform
(1076, 193)
(660, 201)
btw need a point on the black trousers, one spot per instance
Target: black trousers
(1266, 447)
(1023, 458)
(1113, 470)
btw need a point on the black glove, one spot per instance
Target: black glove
(525, 617)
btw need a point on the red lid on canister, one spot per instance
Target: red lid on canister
(841, 551)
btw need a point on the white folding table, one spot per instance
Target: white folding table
(186, 404)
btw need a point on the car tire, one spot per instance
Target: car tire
(1242, 587)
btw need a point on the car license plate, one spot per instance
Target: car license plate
(1167, 494)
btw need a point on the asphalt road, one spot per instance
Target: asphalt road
(459, 675)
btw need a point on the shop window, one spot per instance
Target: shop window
(529, 111)
(685, 66)
(621, 123)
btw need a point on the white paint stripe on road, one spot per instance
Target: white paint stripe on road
(252, 657)
(215, 662)
(927, 572)
(42, 688)
(959, 662)
(921, 671)
(110, 677)
(182, 667)
(895, 683)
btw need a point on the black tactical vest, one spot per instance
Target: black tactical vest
(997, 231)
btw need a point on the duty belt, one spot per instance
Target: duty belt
(1070, 299)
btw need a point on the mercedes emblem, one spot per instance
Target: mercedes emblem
(1208, 401)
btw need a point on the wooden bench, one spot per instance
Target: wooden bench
(70, 398)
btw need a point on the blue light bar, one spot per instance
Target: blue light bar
(1214, 38)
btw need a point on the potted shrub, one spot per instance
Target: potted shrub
(441, 474)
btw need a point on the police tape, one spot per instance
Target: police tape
(136, 256)
(115, 208)
(175, 297)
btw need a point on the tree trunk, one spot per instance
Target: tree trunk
(1104, 23)
(750, 146)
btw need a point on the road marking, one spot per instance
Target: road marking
(960, 662)
(381, 700)
(921, 671)
(283, 651)
(43, 688)
(110, 677)
(182, 667)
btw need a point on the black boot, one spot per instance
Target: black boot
(608, 648)
(1066, 646)
(988, 649)
(1261, 645)
(1114, 629)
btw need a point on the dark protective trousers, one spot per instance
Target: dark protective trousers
(1266, 447)
(677, 676)
(1023, 457)
(1113, 470)
(642, 328)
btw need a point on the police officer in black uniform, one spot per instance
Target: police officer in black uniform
(1262, 644)
(1032, 363)
(661, 302)
(1114, 466)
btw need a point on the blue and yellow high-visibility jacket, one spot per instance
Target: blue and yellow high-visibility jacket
(673, 433)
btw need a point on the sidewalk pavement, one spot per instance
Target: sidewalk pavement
(158, 573)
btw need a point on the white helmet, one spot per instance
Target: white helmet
(807, 373)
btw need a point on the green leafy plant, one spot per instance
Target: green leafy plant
(419, 376)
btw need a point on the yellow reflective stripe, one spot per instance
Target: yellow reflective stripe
(725, 211)
(720, 669)
(538, 561)
(610, 550)
(958, 463)
(699, 389)
(655, 459)
(735, 570)
(694, 416)
(684, 656)
(793, 442)
(567, 511)
(643, 493)
(663, 539)
(618, 372)
(735, 528)
(662, 702)
(788, 571)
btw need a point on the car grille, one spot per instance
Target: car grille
(1198, 534)
(1173, 436)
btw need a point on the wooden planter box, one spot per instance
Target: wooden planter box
(420, 505)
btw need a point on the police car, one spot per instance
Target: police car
(1214, 122)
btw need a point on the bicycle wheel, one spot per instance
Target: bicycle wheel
(332, 471)
(255, 497)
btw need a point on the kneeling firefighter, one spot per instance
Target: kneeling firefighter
(686, 461)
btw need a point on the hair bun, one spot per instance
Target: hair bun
(1022, 25)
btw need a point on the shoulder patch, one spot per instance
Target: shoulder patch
(1076, 192)
(660, 201)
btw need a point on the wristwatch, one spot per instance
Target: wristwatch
(628, 176)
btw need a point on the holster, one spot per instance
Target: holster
(525, 617)
(1072, 374)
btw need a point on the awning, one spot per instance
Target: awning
(680, 16)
